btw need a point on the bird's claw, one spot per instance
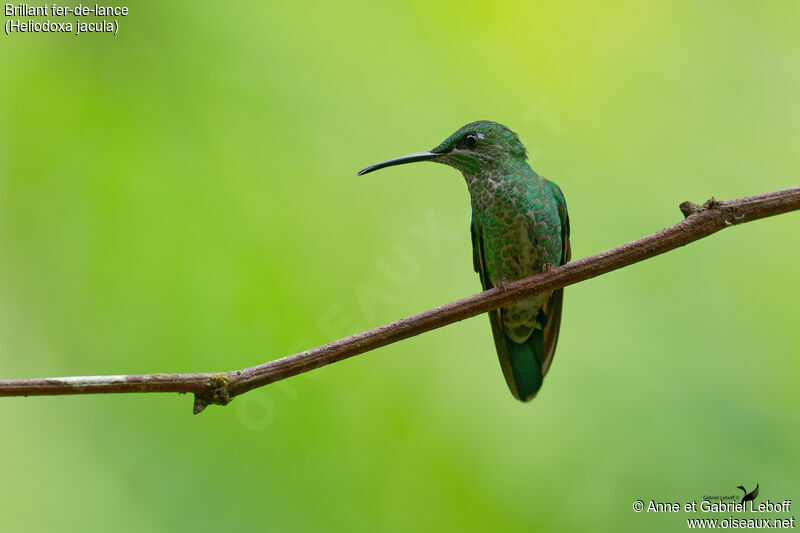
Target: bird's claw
(547, 267)
(502, 285)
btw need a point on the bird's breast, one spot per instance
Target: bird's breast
(521, 232)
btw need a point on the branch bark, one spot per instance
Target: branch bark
(220, 388)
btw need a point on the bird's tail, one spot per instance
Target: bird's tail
(524, 366)
(521, 362)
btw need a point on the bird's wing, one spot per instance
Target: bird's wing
(556, 300)
(755, 492)
(521, 363)
(480, 267)
(566, 250)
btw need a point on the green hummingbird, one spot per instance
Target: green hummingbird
(519, 228)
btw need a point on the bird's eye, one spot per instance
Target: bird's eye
(470, 140)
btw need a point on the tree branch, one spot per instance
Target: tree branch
(220, 388)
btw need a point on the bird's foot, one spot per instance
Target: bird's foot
(502, 285)
(547, 267)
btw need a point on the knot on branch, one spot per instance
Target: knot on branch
(690, 208)
(217, 392)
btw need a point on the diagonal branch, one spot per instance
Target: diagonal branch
(220, 388)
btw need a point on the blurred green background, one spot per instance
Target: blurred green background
(182, 197)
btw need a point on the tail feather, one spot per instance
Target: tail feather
(525, 364)
(522, 363)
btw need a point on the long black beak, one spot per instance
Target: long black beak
(411, 158)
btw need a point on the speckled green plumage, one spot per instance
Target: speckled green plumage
(519, 228)
(517, 215)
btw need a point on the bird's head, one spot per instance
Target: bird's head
(475, 146)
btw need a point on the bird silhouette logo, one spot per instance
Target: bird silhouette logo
(748, 496)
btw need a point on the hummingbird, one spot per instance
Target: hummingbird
(519, 228)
